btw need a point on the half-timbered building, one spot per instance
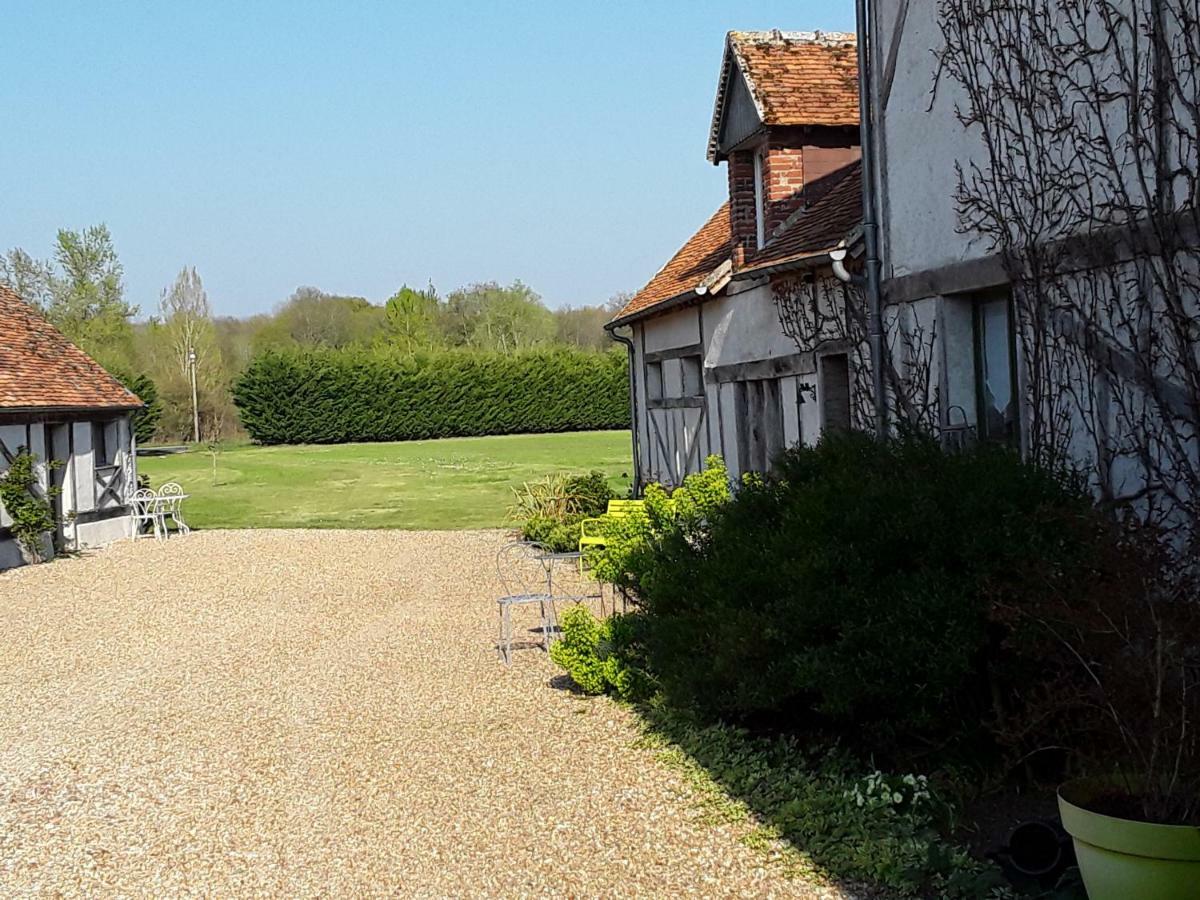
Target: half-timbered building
(741, 345)
(73, 417)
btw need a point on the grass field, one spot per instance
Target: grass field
(446, 484)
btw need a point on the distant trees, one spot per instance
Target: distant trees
(412, 319)
(184, 327)
(145, 420)
(187, 321)
(583, 326)
(81, 290)
(490, 317)
(29, 277)
(313, 318)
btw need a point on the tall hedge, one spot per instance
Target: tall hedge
(336, 396)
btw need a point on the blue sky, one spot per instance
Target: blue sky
(356, 146)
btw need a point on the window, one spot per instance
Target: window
(995, 369)
(104, 443)
(654, 381)
(835, 392)
(760, 212)
(693, 376)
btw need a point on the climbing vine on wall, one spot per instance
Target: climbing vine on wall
(29, 508)
(823, 313)
(1087, 187)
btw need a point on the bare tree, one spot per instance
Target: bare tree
(187, 317)
(31, 279)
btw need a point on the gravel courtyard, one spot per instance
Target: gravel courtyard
(301, 713)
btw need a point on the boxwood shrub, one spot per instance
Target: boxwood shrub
(329, 396)
(852, 589)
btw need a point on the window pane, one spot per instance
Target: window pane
(997, 415)
(654, 381)
(835, 392)
(693, 377)
(99, 445)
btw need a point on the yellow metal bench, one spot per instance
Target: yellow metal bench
(591, 531)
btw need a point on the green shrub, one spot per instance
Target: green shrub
(589, 494)
(556, 535)
(325, 396)
(599, 655)
(630, 556)
(856, 583)
(552, 509)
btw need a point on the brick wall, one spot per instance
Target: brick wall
(741, 200)
(789, 155)
(783, 174)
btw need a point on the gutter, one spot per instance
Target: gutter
(633, 429)
(665, 306)
(73, 410)
(716, 279)
(870, 226)
(809, 261)
(721, 277)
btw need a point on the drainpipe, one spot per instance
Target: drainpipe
(637, 464)
(870, 227)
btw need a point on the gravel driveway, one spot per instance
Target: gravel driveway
(294, 713)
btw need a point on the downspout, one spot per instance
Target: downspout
(633, 420)
(870, 226)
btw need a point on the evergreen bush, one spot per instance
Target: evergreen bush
(145, 420)
(857, 583)
(329, 396)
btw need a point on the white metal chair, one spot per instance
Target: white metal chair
(171, 497)
(523, 579)
(146, 507)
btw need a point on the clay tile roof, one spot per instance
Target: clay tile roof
(794, 77)
(41, 369)
(833, 211)
(830, 217)
(704, 251)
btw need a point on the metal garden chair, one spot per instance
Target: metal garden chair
(145, 506)
(524, 580)
(171, 497)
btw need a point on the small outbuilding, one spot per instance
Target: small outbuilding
(74, 418)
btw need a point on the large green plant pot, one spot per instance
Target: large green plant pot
(1122, 859)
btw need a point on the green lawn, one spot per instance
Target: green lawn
(446, 484)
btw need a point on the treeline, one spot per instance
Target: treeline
(323, 396)
(81, 289)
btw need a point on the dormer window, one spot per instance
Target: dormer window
(760, 206)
